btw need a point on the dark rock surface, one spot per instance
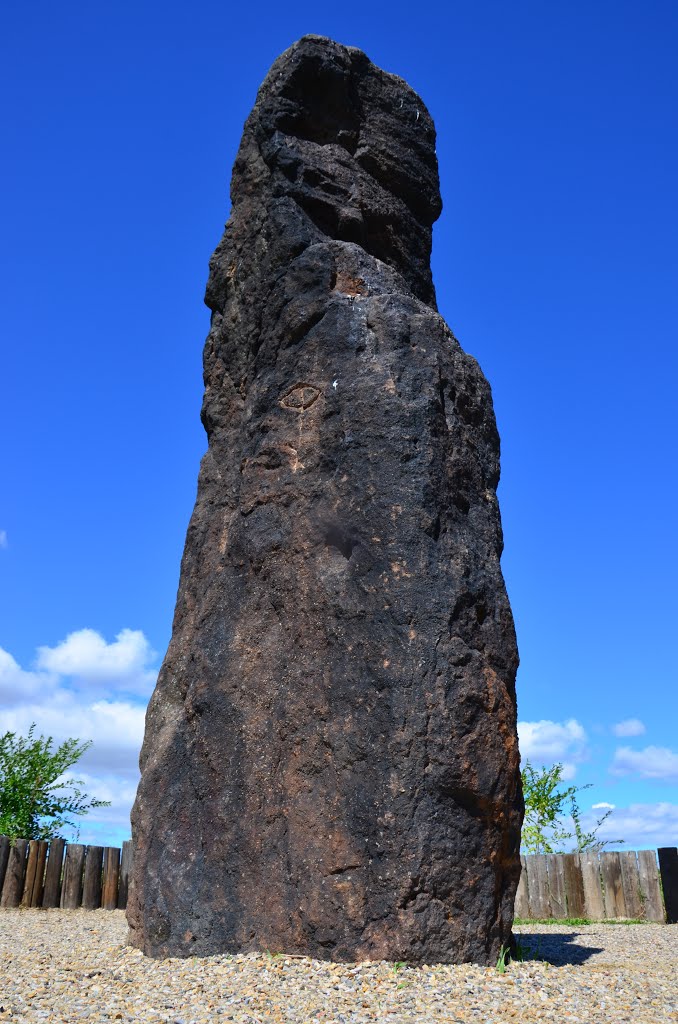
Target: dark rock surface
(330, 764)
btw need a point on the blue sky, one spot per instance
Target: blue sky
(555, 262)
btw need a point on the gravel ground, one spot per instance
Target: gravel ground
(69, 966)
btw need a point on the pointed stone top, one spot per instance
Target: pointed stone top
(354, 146)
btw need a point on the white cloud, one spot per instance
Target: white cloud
(650, 763)
(90, 661)
(640, 825)
(547, 743)
(602, 806)
(17, 685)
(116, 729)
(88, 689)
(629, 727)
(3, 538)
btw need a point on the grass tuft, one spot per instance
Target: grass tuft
(576, 921)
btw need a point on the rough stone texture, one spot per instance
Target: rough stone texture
(330, 764)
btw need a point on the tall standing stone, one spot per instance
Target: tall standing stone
(331, 764)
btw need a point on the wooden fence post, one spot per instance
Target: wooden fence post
(574, 884)
(71, 890)
(125, 868)
(610, 866)
(651, 897)
(35, 873)
(522, 904)
(4, 857)
(554, 864)
(38, 888)
(52, 890)
(109, 899)
(29, 877)
(538, 886)
(91, 886)
(668, 869)
(593, 893)
(13, 886)
(631, 883)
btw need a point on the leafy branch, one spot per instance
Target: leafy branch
(547, 808)
(36, 802)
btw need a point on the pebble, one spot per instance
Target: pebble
(67, 966)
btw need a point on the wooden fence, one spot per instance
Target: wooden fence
(35, 873)
(602, 886)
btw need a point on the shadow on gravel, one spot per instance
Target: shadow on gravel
(557, 949)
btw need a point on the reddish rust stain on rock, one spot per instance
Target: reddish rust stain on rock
(349, 285)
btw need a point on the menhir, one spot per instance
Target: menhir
(330, 765)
